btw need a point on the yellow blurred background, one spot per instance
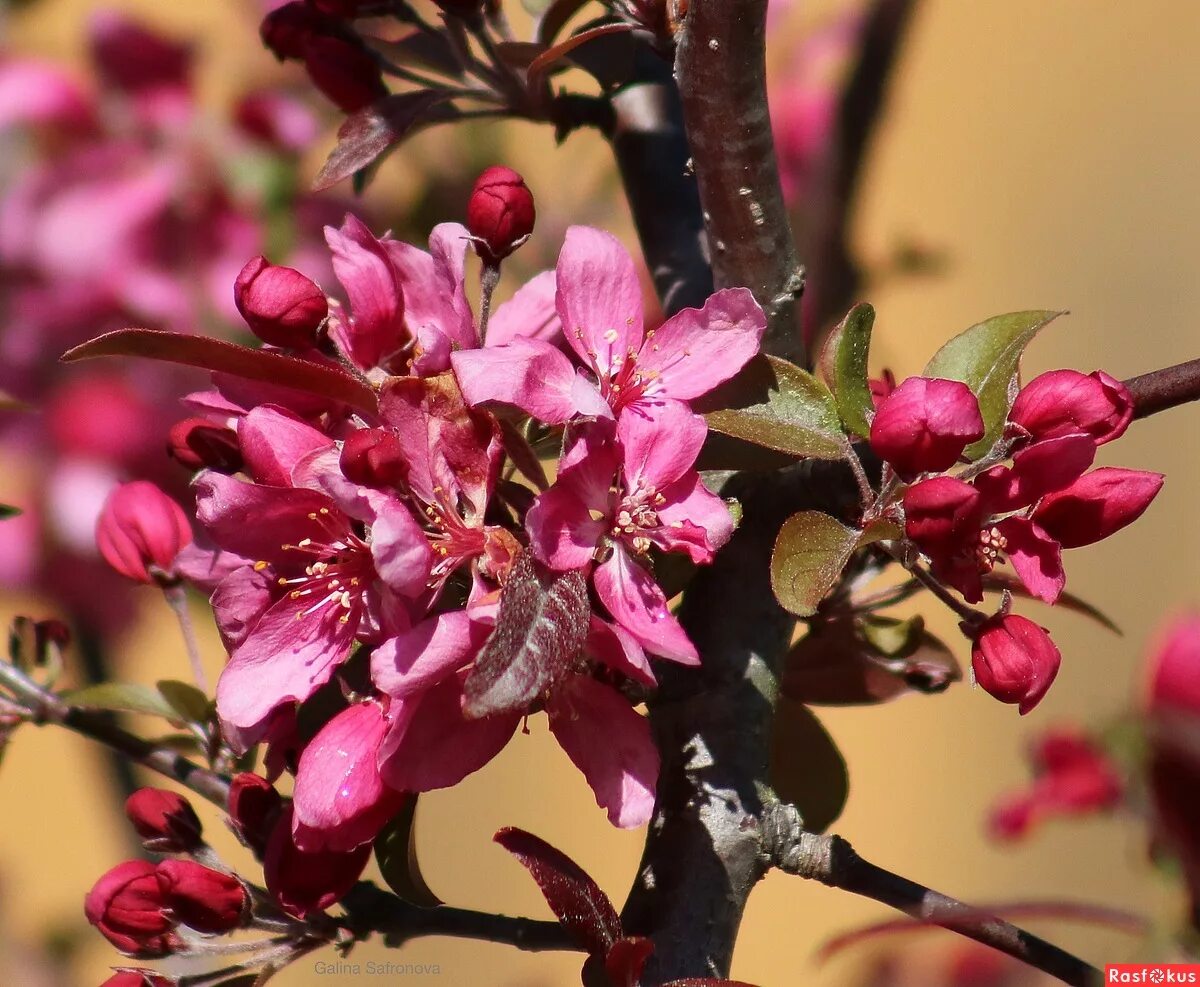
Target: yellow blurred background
(1050, 150)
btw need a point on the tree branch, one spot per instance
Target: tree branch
(720, 66)
(1167, 388)
(834, 862)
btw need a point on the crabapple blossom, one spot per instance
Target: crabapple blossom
(141, 531)
(280, 305)
(1066, 402)
(500, 213)
(924, 425)
(128, 907)
(1014, 660)
(164, 820)
(201, 898)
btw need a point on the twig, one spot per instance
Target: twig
(1167, 388)
(834, 862)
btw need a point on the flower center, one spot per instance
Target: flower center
(637, 512)
(452, 539)
(340, 572)
(990, 550)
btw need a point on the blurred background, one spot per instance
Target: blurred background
(1035, 155)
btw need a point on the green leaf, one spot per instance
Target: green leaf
(396, 854)
(806, 768)
(987, 359)
(123, 697)
(775, 404)
(894, 637)
(7, 511)
(188, 701)
(849, 370)
(810, 553)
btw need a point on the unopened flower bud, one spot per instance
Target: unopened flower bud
(1097, 505)
(198, 443)
(254, 807)
(880, 387)
(133, 59)
(306, 883)
(141, 529)
(280, 305)
(128, 908)
(1066, 402)
(373, 457)
(138, 978)
(347, 74)
(942, 511)
(164, 820)
(1014, 660)
(286, 29)
(500, 213)
(202, 898)
(924, 425)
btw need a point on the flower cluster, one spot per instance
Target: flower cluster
(1025, 512)
(409, 557)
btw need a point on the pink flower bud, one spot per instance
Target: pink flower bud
(306, 883)
(881, 387)
(133, 59)
(286, 29)
(254, 808)
(1014, 660)
(198, 443)
(141, 529)
(924, 425)
(373, 457)
(202, 898)
(348, 75)
(1097, 505)
(138, 978)
(500, 213)
(1065, 402)
(942, 512)
(128, 908)
(280, 305)
(165, 820)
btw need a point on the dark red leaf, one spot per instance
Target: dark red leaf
(627, 959)
(541, 626)
(555, 19)
(542, 64)
(576, 900)
(219, 356)
(378, 128)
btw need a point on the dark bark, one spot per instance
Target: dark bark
(1167, 388)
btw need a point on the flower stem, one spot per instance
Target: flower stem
(489, 277)
(176, 598)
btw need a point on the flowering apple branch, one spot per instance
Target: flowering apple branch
(1167, 388)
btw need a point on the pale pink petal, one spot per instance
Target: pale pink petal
(617, 649)
(636, 602)
(40, 92)
(599, 298)
(273, 440)
(694, 520)
(399, 547)
(526, 373)
(1035, 556)
(660, 444)
(529, 314)
(435, 648)
(623, 770)
(432, 745)
(562, 531)
(697, 349)
(239, 602)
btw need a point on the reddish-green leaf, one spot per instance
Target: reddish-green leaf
(775, 404)
(396, 854)
(577, 901)
(844, 367)
(806, 768)
(551, 56)
(1003, 582)
(216, 355)
(810, 553)
(626, 960)
(540, 630)
(378, 128)
(987, 359)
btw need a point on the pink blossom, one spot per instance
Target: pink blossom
(1097, 505)
(1066, 402)
(924, 425)
(202, 898)
(278, 119)
(39, 92)
(599, 302)
(306, 882)
(500, 213)
(127, 906)
(1014, 660)
(141, 531)
(280, 305)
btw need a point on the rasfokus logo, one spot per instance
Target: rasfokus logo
(1152, 973)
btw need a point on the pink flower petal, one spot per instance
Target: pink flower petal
(617, 649)
(562, 531)
(1036, 557)
(417, 659)
(399, 548)
(1037, 470)
(1098, 504)
(660, 444)
(694, 520)
(636, 602)
(362, 265)
(529, 314)
(256, 521)
(526, 373)
(273, 440)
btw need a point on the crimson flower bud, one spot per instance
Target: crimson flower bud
(254, 807)
(198, 443)
(1066, 402)
(881, 387)
(133, 59)
(128, 908)
(374, 458)
(304, 883)
(280, 305)
(942, 512)
(500, 213)
(1097, 505)
(924, 425)
(344, 72)
(138, 978)
(202, 898)
(139, 529)
(1014, 660)
(165, 820)
(286, 29)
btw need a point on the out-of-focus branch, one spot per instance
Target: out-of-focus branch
(833, 861)
(720, 67)
(46, 707)
(1167, 388)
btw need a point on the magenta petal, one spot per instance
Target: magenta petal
(1035, 556)
(617, 649)
(659, 444)
(526, 373)
(360, 261)
(636, 602)
(1098, 504)
(239, 602)
(529, 314)
(562, 531)
(1037, 470)
(418, 658)
(599, 298)
(432, 745)
(253, 520)
(694, 520)
(286, 658)
(273, 440)
(622, 771)
(339, 800)
(399, 548)
(435, 299)
(697, 349)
